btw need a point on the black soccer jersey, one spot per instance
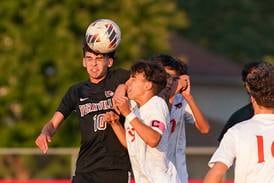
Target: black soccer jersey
(100, 148)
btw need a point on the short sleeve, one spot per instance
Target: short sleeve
(188, 115)
(159, 117)
(226, 152)
(68, 102)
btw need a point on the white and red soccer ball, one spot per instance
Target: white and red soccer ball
(103, 36)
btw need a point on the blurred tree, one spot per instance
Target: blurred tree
(269, 58)
(242, 30)
(40, 47)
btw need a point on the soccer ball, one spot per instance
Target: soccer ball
(103, 36)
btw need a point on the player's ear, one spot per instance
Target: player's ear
(110, 62)
(148, 85)
(84, 63)
(253, 101)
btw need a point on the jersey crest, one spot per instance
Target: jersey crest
(179, 105)
(109, 93)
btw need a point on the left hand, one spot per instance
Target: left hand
(111, 117)
(119, 92)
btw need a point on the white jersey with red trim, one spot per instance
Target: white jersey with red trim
(179, 115)
(150, 165)
(251, 145)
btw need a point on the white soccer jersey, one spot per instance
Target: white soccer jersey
(179, 115)
(251, 145)
(150, 165)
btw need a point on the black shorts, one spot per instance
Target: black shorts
(106, 176)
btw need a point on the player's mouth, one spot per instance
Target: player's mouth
(94, 71)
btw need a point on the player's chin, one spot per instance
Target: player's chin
(130, 95)
(96, 75)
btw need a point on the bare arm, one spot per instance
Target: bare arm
(113, 120)
(216, 173)
(149, 136)
(120, 91)
(48, 131)
(201, 122)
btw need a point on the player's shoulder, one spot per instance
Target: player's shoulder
(242, 127)
(77, 85)
(245, 130)
(154, 103)
(157, 103)
(157, 100)
(117, 76)
(118, 71)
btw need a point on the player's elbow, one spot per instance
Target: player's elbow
(205, 131)
(153, 142)
(124, 145)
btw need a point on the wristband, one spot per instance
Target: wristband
(130, 116)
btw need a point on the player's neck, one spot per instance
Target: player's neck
(259, 109)
(144, 99)
(264, 110)
(96, 80)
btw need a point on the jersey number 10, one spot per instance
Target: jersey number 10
(260, 144)
(99, 123)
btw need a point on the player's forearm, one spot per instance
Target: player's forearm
(213, 178)
(120, 133)
(52, 125)
(48, 129)
(121, 90)
(201, 122)
(149, 136)
(216, 173)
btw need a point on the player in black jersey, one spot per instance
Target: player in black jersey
(102, 159)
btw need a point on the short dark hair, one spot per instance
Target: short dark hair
(259, 83)
(176, 64)
(247, 69)
(86, 48)
(152, 72)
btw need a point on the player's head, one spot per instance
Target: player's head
(171, 64)
(86, 48)
(96, 64)
(247, 69)
(145, 77)
(174, 68)
(259, 83)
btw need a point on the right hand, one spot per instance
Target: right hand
(42, 142)
(123, 105)
(48, 131)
